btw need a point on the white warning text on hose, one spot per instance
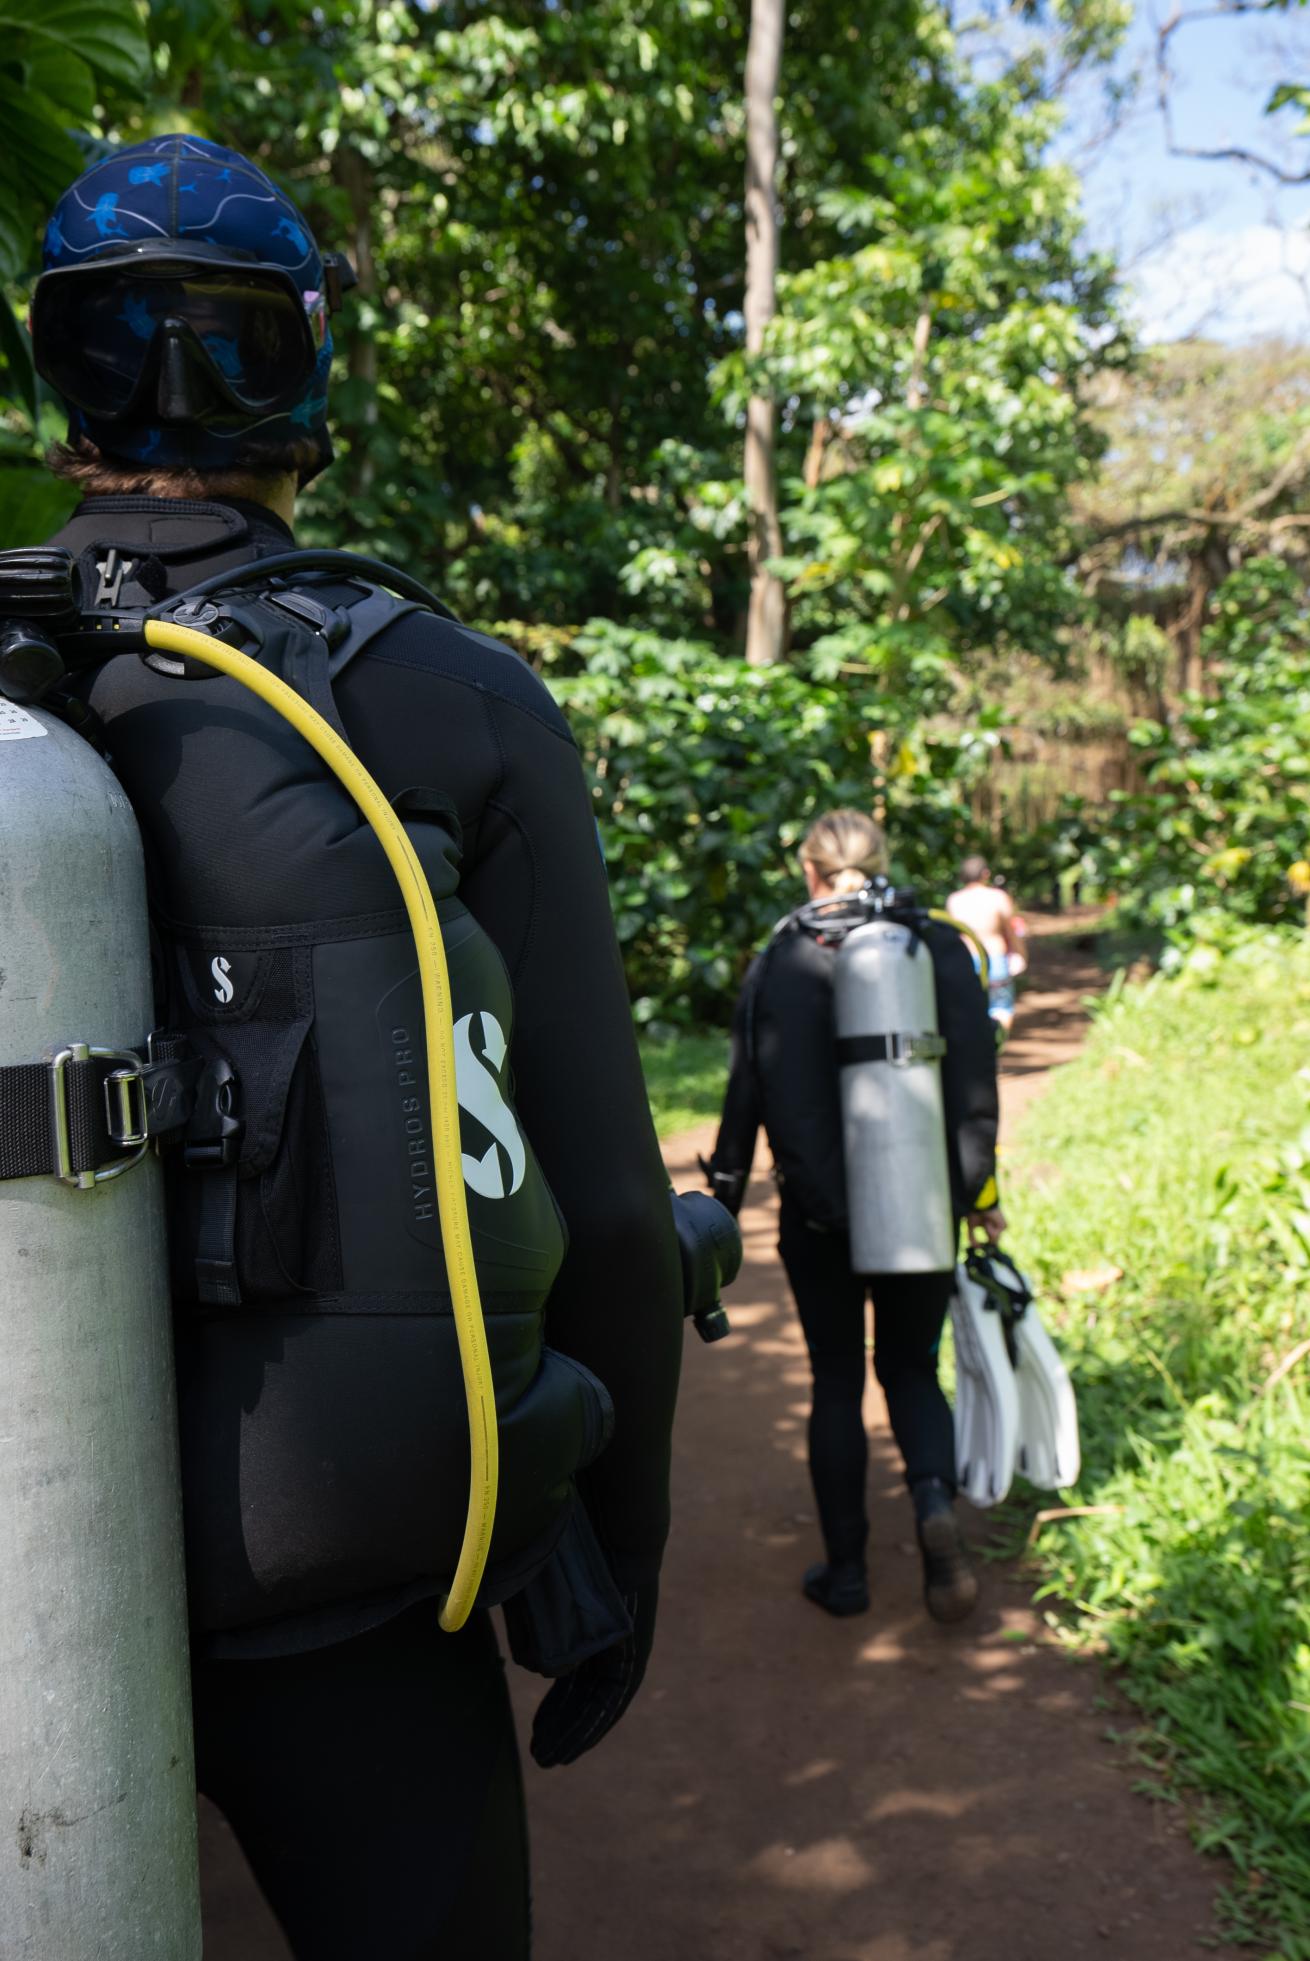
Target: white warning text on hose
(16, 725)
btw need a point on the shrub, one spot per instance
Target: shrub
(1226, 811)
(706, 773)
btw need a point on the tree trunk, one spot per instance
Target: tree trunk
(355, 176)
(1207, 568)
(766, 624)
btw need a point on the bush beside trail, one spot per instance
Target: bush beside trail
(1178, 1149)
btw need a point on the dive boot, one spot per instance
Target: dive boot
(839, 1589)
(950, 1585)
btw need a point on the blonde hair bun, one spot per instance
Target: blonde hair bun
(846, 849)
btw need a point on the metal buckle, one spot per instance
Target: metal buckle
(904, 1049)
(125, 1113)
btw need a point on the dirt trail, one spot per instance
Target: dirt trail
(792, 1788)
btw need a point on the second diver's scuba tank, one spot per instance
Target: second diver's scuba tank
(321, 1231)
(898, 1181)
(888, 1056)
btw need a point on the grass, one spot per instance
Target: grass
(685, 1078)
(1178, 1149)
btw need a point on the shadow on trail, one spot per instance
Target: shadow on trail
(878, 1789)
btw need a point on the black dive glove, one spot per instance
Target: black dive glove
(584, 1705)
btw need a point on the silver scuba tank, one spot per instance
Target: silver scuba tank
(96, 1780)
(889, 1052)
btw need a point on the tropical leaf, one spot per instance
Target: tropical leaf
(38, 157)
(32, 504)
(17, 350)
(15, 233)
(106, 33)
(64, 79)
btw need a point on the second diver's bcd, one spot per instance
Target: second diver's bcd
(317, 1347)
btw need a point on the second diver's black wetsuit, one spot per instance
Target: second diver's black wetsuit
(784, 1076)
(429, 702)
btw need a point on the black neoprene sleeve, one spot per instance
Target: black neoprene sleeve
(581, 1096)
(433, 704)
(739, 1126)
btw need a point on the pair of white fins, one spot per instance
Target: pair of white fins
(1014, 1402)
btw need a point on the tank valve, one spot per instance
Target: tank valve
(36, 600)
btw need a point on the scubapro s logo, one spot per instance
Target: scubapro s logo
(223, 989)
(479, 1092)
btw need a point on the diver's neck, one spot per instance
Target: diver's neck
(279, 496)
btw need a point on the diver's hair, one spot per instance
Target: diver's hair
(973, 871)
(97, 475)
(846, 849)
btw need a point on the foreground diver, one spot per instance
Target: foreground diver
(365, 1759)
(785, 1076)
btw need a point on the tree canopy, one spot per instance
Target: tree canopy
(543, 378)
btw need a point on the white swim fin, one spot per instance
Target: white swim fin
(986, 1394)
(1048, 1452)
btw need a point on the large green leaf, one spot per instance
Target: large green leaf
(38, 158)
(106, 33)
(15, 233)
(17, 350)
(65, 80)
(32, 504)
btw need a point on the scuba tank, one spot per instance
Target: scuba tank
(898, 1183)
(852, 1058)
(96, 1775)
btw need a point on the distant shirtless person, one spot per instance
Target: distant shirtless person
(990, 913)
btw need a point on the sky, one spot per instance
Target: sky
(1208, 248)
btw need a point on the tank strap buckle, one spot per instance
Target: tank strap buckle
(899, 1048)
(125, 1112)
(915, 1048)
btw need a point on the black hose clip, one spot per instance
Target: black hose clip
(216, 1127)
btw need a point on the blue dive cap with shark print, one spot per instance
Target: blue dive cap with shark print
(183, 311)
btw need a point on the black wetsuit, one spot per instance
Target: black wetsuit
(432, 703)
(784, 1076)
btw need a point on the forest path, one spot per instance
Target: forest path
(793, 1788)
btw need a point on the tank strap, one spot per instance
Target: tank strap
(889, 1048)
(85, 1114)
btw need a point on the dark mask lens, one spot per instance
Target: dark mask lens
(93, 336)
(256, 335)
(95, 332)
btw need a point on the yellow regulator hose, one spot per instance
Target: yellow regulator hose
(434, 977)
(965, 932)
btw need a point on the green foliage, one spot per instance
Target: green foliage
(57, 58)
(540, 373)
(686, 1076)
(1194, 1574)
(62, 61)
(940, 351)
(705, 774)
(1226, 812)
